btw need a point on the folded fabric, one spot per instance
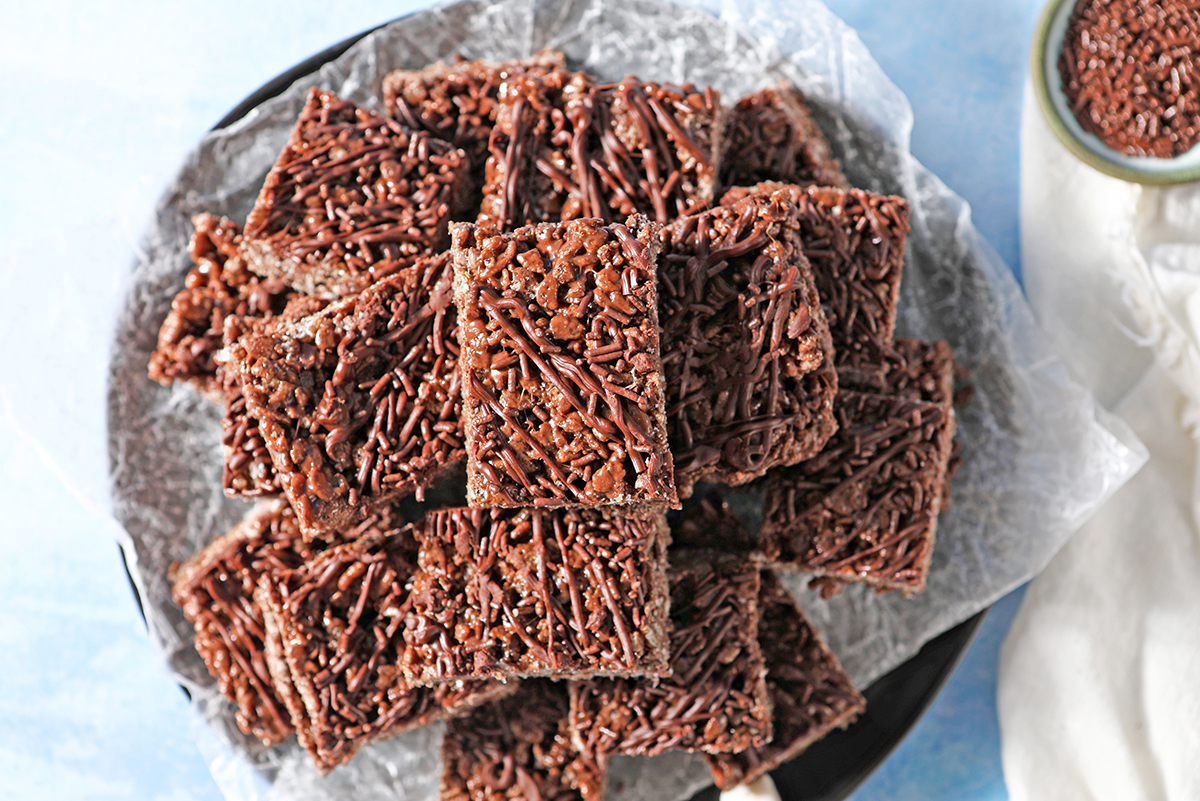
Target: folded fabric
(1098, 697)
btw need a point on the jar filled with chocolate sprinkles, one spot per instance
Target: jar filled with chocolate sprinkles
(1128, 70)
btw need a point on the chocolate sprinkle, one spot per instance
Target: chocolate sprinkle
(563, 393)
(359, 404)
(353, 198)
(715, 699)
(810, 693)
(518, 748)
(1128, 70)
(747, 353)
(532, 592)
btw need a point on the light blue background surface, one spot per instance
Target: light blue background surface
(100, 105)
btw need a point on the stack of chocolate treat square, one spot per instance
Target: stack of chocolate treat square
(594, 297)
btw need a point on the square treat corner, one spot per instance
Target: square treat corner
(866, 508)
(562, 380)
(519, 747)
(810, 693)
(771, 136)
(854, 241)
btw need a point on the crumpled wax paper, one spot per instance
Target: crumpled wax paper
(1039, 456)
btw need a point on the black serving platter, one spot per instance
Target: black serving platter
(832, 768)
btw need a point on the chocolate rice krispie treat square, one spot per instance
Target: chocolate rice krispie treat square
(810, 693)
(359, 404)
(562, 383)
(519, 747)
(747, 353)
(865, 509)
(539, 152)
(771, 136)
(566, 148)
(335, 629)
(458, 102)
(215, 588)
(217, 287)
(854, 241)
(533, 592)
(715, 699)
(661, 147)
(354, 197)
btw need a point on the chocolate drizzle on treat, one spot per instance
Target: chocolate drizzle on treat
(563, 392)
(217, 287)
(534, 592)
(663, 156)
(865, 509)
(360, 403)
(715, 699)
(519, 747)
(459, 102)
(338, 624)
(215, 589)
(854, 241)
(354, 197)
(564, 149)
(772, 137)
(531, 150)
(747, 353)
(810, 693)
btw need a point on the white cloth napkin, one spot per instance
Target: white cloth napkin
(1099, 691)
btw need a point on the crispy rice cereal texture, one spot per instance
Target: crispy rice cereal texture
(354, 197)
(562, 382)
(533, 592)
